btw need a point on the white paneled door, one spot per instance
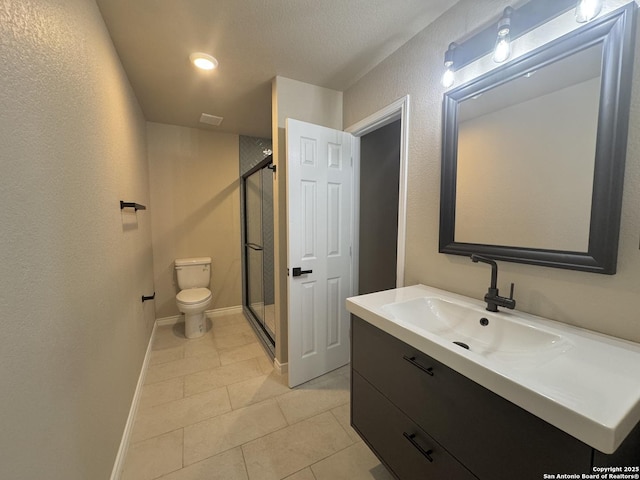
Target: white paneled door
(320, 213)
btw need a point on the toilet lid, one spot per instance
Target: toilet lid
(193, 295)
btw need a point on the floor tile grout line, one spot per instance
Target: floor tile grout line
(246, 340)
(156, 363)
(328, 409)
(203, 370)
(226, 384)
(183, 375)
(182, 463)
(156, 436)
(182, 397)
(273, 397)
(190, 424)
(310, 467)
(281, 410)
(221, 452)
(340, 423)
(244, 460)
(231, 411)
(272, 432)
(298, 471)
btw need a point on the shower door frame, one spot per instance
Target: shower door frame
(263, 334)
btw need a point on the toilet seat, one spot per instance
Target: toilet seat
(192, 296)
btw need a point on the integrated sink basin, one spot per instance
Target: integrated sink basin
(582, 382)
(499, 337)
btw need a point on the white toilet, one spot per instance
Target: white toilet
(194, 275)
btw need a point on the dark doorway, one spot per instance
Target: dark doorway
(379, 190)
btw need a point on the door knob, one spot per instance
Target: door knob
(297, 271)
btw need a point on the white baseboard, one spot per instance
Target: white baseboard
(218, 312)
(160, 322)
(124, 443)
(221, 312)
(282, 368)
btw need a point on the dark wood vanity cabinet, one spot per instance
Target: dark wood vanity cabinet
(426, 421)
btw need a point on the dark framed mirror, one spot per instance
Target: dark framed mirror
(533, 152)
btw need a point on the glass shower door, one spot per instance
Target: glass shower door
(258, 248)
(253, 245)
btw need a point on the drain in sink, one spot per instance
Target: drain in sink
(463, 345)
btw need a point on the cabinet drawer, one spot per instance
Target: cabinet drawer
(478, 427)
(397, 441)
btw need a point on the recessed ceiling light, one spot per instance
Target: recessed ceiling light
(203, 61)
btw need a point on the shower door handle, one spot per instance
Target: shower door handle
(297, 271)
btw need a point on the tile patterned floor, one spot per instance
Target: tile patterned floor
(214, 408)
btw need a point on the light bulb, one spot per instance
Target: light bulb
(588, 10)
(203, 61)
(502, 49)
(448, 78)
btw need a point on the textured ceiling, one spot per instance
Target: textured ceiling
(330, 43)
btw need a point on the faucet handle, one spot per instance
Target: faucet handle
(511, 293)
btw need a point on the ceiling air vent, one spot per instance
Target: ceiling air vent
(210, 119)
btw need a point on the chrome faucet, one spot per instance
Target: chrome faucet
(493, 299)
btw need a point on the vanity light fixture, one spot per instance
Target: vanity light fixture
(203, 61)
(513, 23)
(587, 10)
(502, 50)
(448, 78)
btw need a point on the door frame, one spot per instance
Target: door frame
(398, 110)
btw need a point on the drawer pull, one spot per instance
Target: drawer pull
(426, 453)
(412, 361)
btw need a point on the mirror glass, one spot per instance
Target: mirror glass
(526, 155)
(533, 152)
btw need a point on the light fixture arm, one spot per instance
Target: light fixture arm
(504, 25)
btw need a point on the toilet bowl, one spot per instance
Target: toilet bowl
(194, 298)
(193, 302)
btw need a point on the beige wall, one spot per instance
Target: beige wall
(604, 303)
(73, 329)
(196, 210)
(308, 103)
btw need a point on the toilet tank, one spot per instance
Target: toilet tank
(193, 272)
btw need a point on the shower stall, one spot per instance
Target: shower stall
(258, 250)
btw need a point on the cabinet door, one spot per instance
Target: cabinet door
(494, 438)
(406, 450)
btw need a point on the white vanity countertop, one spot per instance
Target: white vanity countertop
(592, 391)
